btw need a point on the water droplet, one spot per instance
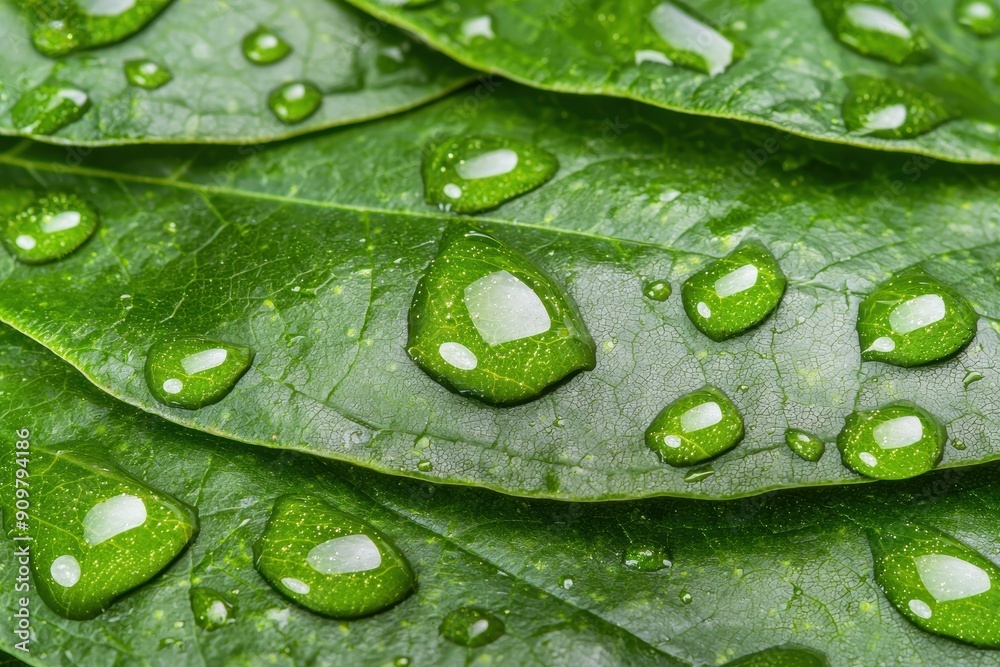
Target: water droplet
(658, 290)
(891, 110)
(699, 474)
(646, 557)
(874, 28)
(489, 324)
(895, 441)
(473, 174)
(806, 445)
(424, 465)
(471, 627)
(686, 597)
(294, 102)
(99, 532)
(914, 319)
(49, 108)
(329, 561)
(981, 17)
(264, 47)
(480, 27)
(192, 372)
(938, 583)
(735, 293)
(566, 582)
(971, 377)
(66, 27)
(211, 609)
(958, 444)
(49, 229)
(781, 656)
(690, 41)
(147, 74)
(695, 428)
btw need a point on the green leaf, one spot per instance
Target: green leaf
(770, 62)
(789, 569)
(313, 263)
(364, 68)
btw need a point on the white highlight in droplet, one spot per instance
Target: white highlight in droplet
(921, 608)
(883, 344)
(868, 459)
(917, 313)
(173, 386)
(106, 7)
(979, 10)
(495, 163)
(736, 281)
(25, 242)
(899, 432)
(65, 571)
(876, 19)
(453, 191)
(267, 41)
(218, 613)
(205, 360)
(650, 56)
(60, 222)
(113, 517)
(672, 441)
(458, 356)
(77, 97)
(701, 416)
(949, 578)
(343, 555)
(481, 26)
(685, 33)
(504, 308)
(886, 118)
(295, 585)
(478, 628)
(704, 310)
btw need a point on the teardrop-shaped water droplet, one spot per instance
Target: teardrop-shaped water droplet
(329, 561)
(658, 290)
(685, 597)
(896, 441)
(472, 174)
(471, 627)
(192, 372)
(147, 74)
(49, 108)
(211, 609)
(781, 656)
(695, 428)
(971, 378)
(646, 557)
(73, 25)
(888, 109)
(294, 102)
(690, 41)
(981, 17)
(938, 583)
(489, 324)
(874, 28)
(699, 474)
(49, 228)
(806, 445)
(97, 532)
(265, 47)
(914, 319)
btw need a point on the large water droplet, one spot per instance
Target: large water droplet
(49, 108)
(265, 47)
(895, 441)
(211, 609)
(62, 27)
(49, 228)
(147, 74)
(806, 445)
(646, 557)
(329, 561)
(981, 17)
(695, 428)
(97, 531)
(781, 656)
(891, 110)
(874, 28)
(658, 290)
(294, 102)
(472, 627)
(690, 41)
(914, 319)
(735, 293)
(938, 583)
(488, 323)
(472, 174)
(193, 372)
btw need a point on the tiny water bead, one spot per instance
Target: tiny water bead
(294, 102)
(914, 319)
(781, 656)
(646, 557)
(264, 47)
(212, 610)
(689, 41)
(938, 583)
(685, 597)
(330, 562)
(806, 445)
(489, 324)
(658, 290)
(473, 174)
(695, 428)
(147, 74)
(49, 229)
(49, 108)
(874, 28)
(896, 441)
(471, 627)
(66, 26)
(699, 474)
(97, 532)
(981, 17)
(192, 372)
(735, 293)
(888, 109)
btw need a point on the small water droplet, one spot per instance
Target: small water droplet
(294, 102)
(695, 428)
(147, 74)
(958, 444)
(686, 597)
(424, 465)
(566, 582)
(971, 377)
(264, 47)
(781, 656)
(806, 445)
(49, 108)
(479, 27)
(981, 17)
(211, 609)
(891, 110)
(402, 661)
(192, 372)
(690, 41)
(646, 557)
(895, 441)
(874, 28)
(61, 28)
(471, 627)
(658, 290)
(699, 474)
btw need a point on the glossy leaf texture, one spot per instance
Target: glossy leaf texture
(772, 62)
(788, 569)
(313, 263)
(212, 92)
